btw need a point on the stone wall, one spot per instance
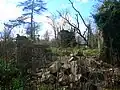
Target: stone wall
(28, 52)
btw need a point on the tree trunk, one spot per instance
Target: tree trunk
(32, 20)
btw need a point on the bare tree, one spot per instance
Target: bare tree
(53, 24)
(76, 25)
(79, 14)
(8, 27)
(56, 25)
(46, 36)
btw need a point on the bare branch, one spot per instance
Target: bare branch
(66, 20)
(76, 28)
(84, 32)
(78, 13)
(77, 21)
(9, 28)
(53, 24)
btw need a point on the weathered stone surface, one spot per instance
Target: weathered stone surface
(78, 74)
(66, 65)
(55, 67)
(45, 76)
(74, 67)
(64, 80)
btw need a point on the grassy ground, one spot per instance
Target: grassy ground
(76, 51)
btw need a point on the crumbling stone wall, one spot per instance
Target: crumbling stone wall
(31, 57)
(37, 55)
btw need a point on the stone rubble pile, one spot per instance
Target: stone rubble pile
(76, 74)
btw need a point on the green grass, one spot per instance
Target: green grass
(79, 51)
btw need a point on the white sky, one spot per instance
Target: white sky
(8, 10)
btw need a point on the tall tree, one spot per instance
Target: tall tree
(32, 7)
(108, 20)
(90, 36)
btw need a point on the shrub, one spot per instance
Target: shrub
(9, 75)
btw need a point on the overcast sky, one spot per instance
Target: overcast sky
(10, 11)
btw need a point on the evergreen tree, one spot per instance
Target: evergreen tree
(108, 20)
(30, 8)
